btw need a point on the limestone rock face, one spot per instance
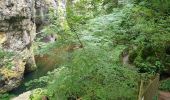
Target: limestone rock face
(17, 33)
(43, 8)
(19, 22)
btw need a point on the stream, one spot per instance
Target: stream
(42, 70)
(45, 63)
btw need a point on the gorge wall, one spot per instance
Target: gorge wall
(17, 33)
(18, 20)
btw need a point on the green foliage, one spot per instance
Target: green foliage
(165, 85)
(5, 59)
(79, 12)
(2, 54)
(57, 28)
(4, 96)
(145, 58)
(37, 94)
(95, 69)
(157, 5)
(109, 5)
(146, 30)
(90, 74)
(37, 83)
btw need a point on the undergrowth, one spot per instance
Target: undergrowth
(94, 71)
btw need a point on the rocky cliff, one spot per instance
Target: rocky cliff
(17, 32)
(43, 8)
(19, 22)
(45, 11)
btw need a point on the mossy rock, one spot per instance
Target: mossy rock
(11, 78)
(38, 94)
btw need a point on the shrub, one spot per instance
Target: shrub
(91, 74)
(165, 85)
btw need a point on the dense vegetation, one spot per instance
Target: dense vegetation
(152, 37)
(93, 37)
(93, 68)
(101, 33)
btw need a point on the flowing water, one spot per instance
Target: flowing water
(44, 63)
(41, 71)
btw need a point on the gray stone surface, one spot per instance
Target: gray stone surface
(17, 33)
